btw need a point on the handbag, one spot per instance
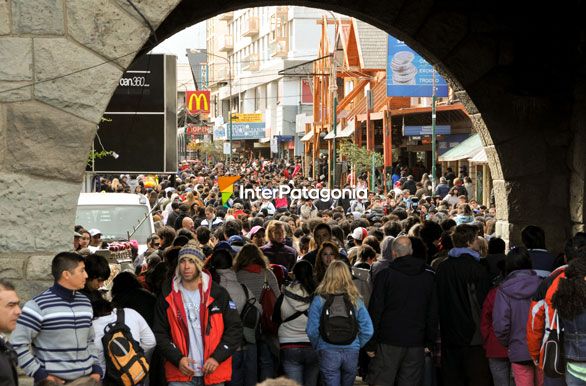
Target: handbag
(554, 363)
(267, 302)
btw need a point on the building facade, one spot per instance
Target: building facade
(249, 51)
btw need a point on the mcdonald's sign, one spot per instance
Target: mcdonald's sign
(198, 101)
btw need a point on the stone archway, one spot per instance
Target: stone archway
(60, 61)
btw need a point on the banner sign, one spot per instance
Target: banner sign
(198, 101)
(409, 75)
(246, 118)
(197, 130)
(240, 131)
(413, 131)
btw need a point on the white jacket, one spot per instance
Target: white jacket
(140, 330)
(295, 299)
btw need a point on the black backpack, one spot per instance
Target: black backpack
(250, 317)
(338, 324)
(126, 363)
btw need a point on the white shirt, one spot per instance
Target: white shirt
(139, 328)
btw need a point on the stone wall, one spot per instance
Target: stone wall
(60, 61)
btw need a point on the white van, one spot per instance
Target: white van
(116, 215)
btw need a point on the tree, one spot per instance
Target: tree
(209, 149)
(360, 158)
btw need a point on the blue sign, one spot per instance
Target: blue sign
(409, 75)
(413, 131)
(240, 131)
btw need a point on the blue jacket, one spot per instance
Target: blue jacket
(365, 329)
(575, 337)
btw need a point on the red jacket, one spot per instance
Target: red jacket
(492, 347)
(541, 314)
(220, 325)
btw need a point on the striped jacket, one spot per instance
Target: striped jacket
(54, 336)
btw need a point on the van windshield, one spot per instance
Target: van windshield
(114, 221)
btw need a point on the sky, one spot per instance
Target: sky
(191, 37)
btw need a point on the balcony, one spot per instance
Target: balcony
(251, 63)
(250, 28)
(228, 16)
(227, 43)
(279, 47)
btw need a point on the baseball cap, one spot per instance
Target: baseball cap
(359, 233)
(94, 232)
(255, 229)
(76, 234)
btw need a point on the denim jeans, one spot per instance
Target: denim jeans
(195, 381)
(267, 361)
(301, 365)
(244, 367)
(338, 367)
(573, 381)
(501, 371)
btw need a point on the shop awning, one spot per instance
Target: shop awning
(479, 158)
(307, 136)
(330, 135)
(348, 131)
(467, 149)
(264, 140)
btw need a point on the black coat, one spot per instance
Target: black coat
(462, 285)
(8, 375)
(403, 304)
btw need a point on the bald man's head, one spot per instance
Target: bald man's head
(187, 223)
(402, 247)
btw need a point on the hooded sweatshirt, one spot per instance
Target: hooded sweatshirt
(511, 310)
(295, 299)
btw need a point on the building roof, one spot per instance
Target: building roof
(370, 41)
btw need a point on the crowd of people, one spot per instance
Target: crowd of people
(407, 287)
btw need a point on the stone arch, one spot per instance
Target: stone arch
(60, 61)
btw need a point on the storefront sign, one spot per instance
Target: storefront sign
(240, 131)
(414, 131)
(197, 130)
(246, 118)
(198, 101)
(409, 75)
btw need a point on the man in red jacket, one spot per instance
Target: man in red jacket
(196, 325)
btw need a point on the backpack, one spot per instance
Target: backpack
(338, 324)
(554, 362)
(277, 313)
(250, 317)
(126, 363)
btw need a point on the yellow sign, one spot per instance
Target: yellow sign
(246, 118)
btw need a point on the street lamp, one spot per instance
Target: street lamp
(229, 101)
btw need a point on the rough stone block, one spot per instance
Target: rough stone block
(106, 28)
(520, 160)
(577, 198)
(39, 268)
(16, 58)
(26, 290)
(501, 193)
(38, 17)
(155, 11)
(12, 268)
(58, 148)
(4, 17)
(3, 129)
(19, 91)
(494, 163)
(38, 213)
(85, 93)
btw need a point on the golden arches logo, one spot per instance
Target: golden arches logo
(200, 98)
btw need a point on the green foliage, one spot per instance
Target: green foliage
(360, 158)
(94, 155)
(214, 150)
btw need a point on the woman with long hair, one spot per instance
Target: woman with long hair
(253, 270)
(570, 303)
(510, 313)
(337, 295)
(299, 359)
(327, 252)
